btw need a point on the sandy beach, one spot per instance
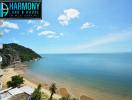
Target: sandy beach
(9, 72)
(33, 81)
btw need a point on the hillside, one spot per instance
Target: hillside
(12, 53)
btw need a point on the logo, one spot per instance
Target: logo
(21, 9)
(3, 9)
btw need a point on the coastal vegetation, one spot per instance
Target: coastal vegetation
(16, 81)
(37, 94)
(67, 98)
(52, 89)
(13, 53)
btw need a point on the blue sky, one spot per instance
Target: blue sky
(75, 26)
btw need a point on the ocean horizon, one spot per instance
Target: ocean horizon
(106, 73)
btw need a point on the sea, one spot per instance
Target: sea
(89, 74)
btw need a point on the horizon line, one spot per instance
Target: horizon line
(91, 53)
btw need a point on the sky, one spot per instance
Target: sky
(75, 26)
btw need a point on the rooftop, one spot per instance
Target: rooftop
(22, 93)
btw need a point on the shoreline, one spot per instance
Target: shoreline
(33, 81)
(79, 92)
(9, 72)
(61, 89)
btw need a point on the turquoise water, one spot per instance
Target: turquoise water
(111, 73)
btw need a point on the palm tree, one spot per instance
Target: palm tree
(68, 96)
(52, 89)
(37, 94)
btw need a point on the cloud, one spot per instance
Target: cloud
(50, 34)
(9, 25)
(94, 44)
(105, 40)
(87, 25)
(6, 30)
(41, 22)
(1, 33)
(30, 21)
(30, 30)
(39, 25)
(45, 23)
(68, 15)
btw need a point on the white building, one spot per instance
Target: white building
(1, 46)
(9, 93)
(0, 59)
(1, 72)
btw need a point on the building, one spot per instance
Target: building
(1, 46)
(0, 59)
(0, 64)
(9, 94)
(1, 72)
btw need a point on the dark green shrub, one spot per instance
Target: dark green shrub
(16, 81)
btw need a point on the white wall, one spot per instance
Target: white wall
(0, 59)
(1, 46)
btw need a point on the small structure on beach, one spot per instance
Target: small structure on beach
(28, 90)
(1, 73)
(0, 61)
(13, 93)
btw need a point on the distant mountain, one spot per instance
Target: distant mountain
(13, 53)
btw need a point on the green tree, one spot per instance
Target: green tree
(74, 99)
(37, 94)
(67, 98)
(16, 81)
(63, 98)
(52, 89)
